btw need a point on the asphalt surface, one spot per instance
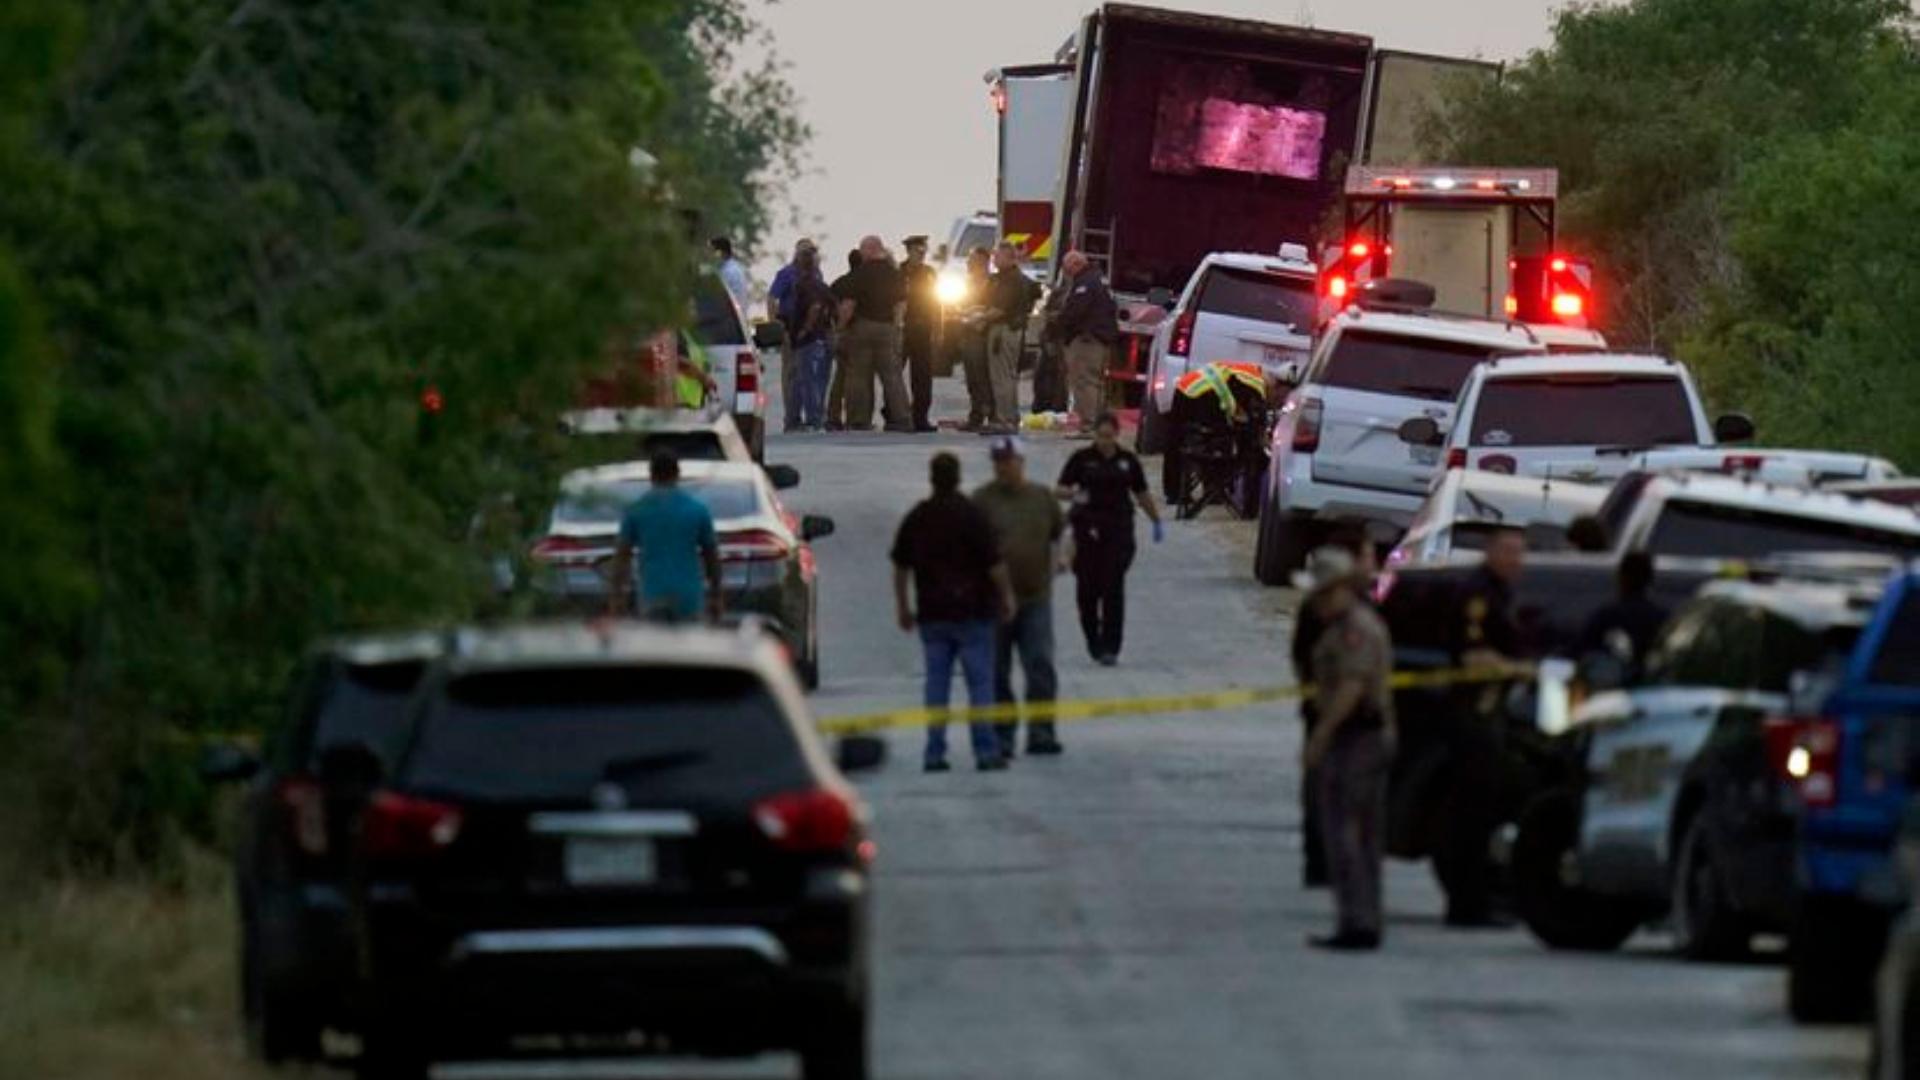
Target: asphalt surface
(1132, 909)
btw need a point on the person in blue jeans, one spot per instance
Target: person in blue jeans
(679, 551)
(950, 583)
(1028, 522)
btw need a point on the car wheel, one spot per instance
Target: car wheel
(1705, 924)
(1281, 545)
(1152, 437)
(1829, 962)
(836, 1049)
(1556, 909)
(279, 1027)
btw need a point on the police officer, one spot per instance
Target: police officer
(1103, 483)
(1483, 636)
(1088, 325)
(918, 330)
(1308, 627)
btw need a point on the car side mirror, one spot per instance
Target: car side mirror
(769, 335)
(783, 477)
(1161, 297)
(815, 526)
(860, 753)
(1733, 427)
(225, 763)
(1421, 431)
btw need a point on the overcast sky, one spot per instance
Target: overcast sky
(903, 135)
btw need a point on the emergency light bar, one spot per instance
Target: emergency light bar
(1378, 182)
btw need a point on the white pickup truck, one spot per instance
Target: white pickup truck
(1575, 417)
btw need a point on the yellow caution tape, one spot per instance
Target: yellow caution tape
(1108, 708)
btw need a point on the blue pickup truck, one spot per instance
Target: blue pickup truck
(1855, 758)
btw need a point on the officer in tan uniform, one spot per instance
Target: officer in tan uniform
(1351, 749)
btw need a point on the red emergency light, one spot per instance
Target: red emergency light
(1551, 289)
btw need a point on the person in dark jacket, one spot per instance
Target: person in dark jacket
(1010, 301)
(837, 388)
(1352, 538)
(1484, 634)
(1103, 483)
(1626, 627)
(918, 329)
(1088, 324)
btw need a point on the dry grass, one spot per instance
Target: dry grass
(121, 979)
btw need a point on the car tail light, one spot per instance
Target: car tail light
(818, 820)
(1512, 306)
(1568, 305)
(559, 547)
(1457, 458)
(1182, 341)
(746, 372)
(1337, 287)
(1306, 432)
(756, 545)
(1499, 463)
(1738, 463)
(304, 803)
(1359, 249)
(400, 826)
(1805, 751)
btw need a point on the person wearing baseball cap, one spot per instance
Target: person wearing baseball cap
(1350, 752)
(1027, 519)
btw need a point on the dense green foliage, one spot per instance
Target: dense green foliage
(240, 240)
(1739, 171)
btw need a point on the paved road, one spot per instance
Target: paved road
(1132, 909)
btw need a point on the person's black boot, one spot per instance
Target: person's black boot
(1347, 941)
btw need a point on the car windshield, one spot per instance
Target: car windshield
(715, 320)
(556, 733)
(1405, 366)
(610, 447)
(364, 704)
(1250, 294)
(975, 235)
(725, 499)
(1584, 410)
(1733, 532)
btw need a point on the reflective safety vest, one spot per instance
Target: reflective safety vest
(690, 392)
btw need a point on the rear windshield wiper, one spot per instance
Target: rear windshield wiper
(645, 763)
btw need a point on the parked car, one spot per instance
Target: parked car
(1897, 492)
(345, 720)
(1682, 808)
(1851, 750)
(615, 840)
(1799, 468)
(735, 346)
(1257, 309)
(1468, 505)
(767, 565)
(611, 436)
(1737, 518)
(1896, 1011)
(1335, 450)
(1575, 416)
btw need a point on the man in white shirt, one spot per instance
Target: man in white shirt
(733, 273)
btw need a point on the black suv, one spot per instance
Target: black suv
(615, 839)
(346, 714)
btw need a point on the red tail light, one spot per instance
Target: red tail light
(1337, 287)
(1568, 306)
(1738, 463)
(1805, 751)
(304, 803)
(818, 820)
(1182, 341)
(401, 827)
(1500, 463)
(1456, 458)
(1306, 433)
(756, 545)
(1359, 249)
(746, 372)
(560, 547)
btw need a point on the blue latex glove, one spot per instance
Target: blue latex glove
(1159, 532)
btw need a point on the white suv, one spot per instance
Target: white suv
(1579, 417)
(734, 345)
(1238, 307)
(1336, 449)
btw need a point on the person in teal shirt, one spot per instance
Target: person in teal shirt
(679, 551)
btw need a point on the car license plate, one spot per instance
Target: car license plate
(595, 860)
